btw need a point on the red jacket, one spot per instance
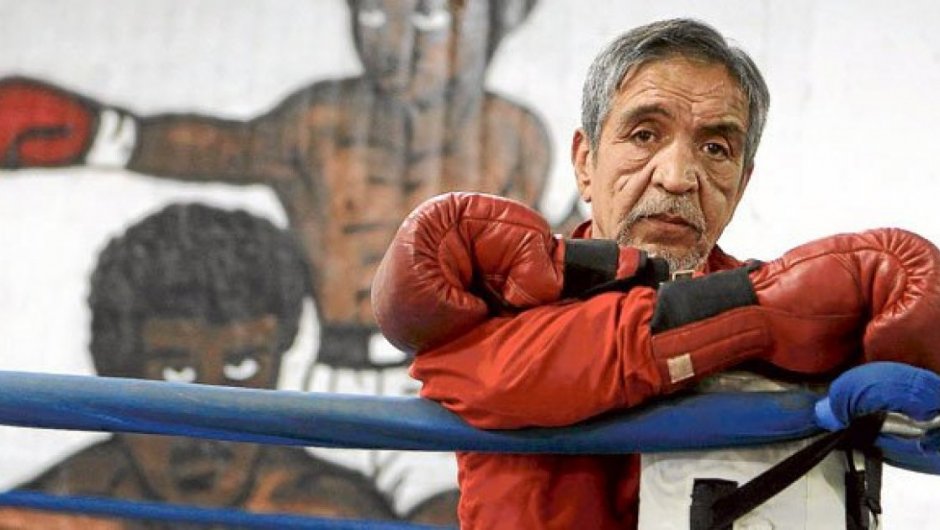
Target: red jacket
(553, 365)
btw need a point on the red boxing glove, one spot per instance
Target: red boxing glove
(843, 299)
(905, 323)
(459, 256)
(41, 125)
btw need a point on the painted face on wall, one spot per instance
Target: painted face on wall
(185, 350)
(418, 48)
(668, 170)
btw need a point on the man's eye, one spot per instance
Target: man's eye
(183, 374)
(371, 18)
(434, 20)
(241, 371)
(716, 150)
(643, 136)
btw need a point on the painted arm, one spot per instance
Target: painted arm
(42, 125)
(192, 147)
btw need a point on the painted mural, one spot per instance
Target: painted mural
(287, 110)
(199, 294)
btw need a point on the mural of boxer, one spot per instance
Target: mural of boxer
(348, 159)
(200, 295)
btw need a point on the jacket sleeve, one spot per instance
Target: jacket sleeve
(559, 364)
(563, 363)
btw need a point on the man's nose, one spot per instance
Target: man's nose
(678, 170)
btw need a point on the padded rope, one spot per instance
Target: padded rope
(690, 422)
(89, 403)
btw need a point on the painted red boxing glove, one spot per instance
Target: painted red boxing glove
(843, 299)
(45, 126)
(459, 257)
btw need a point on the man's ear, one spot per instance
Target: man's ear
(582, 160)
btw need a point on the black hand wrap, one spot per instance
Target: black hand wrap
(685, 301)
(591, 269)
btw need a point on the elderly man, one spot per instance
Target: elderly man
(641, 302)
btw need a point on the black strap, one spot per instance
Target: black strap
(862, 490)
(874, 462)
(861, 433)
(705, 491)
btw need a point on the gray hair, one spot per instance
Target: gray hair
(660, 40)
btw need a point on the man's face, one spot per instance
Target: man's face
(186, 350)
(668, 170)
(415, 48)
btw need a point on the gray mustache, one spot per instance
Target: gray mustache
(683, 207)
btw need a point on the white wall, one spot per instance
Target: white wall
(850, 142)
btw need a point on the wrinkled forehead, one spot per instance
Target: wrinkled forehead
(700, 60)
(690, 80)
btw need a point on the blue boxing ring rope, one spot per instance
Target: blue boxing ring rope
(89, 403)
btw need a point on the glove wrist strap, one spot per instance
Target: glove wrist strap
(588, 262)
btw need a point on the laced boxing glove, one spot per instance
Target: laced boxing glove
(42, 125)
(459, 257)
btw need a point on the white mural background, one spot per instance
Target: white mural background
(851, 141)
